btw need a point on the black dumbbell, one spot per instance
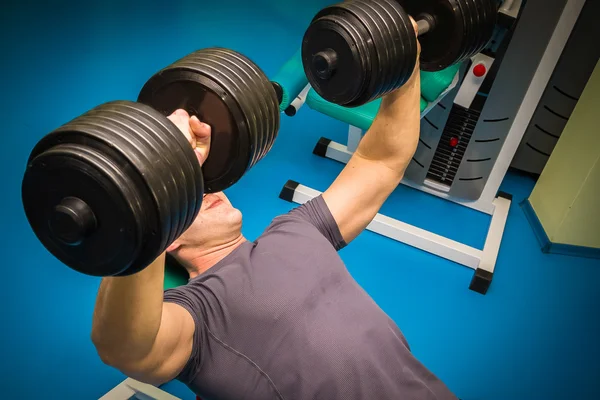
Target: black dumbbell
(357, 51)
(109, 191)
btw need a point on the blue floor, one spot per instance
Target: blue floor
(533, 336)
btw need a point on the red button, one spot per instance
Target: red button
(479, 70)
(454, 141)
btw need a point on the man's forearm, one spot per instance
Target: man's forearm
(128, 314)
(394, 134)
(378, 164)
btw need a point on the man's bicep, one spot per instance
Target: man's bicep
(172, 348)
(358, 193)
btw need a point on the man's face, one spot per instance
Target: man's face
(217, 223)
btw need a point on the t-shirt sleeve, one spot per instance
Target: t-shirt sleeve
(316, 213)
(190, 298)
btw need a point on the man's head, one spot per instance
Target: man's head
(217, 229)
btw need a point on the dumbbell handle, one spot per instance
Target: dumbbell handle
(425, 23)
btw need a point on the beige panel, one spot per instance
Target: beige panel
(567, 174)
(581, 226)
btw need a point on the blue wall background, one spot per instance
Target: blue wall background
(534, 336)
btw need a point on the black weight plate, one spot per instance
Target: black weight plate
(200, 95)
(409, 38)
(244, 95)
(126, 160)
(442, 46)
(141, 157)
(235, 149)
(353, 44)
(181, 86)
(470, 27)
(255, 79)
(232, 85)
(247, 89)
(467, 29)
(269, 96)
(366, 42)
(377, 27)
(132, 150)
(372, 61)
(155, 170)
(190, 168)
(311, 45)
(410, 57)
(366, 45)
(476, 32)
(481, 10)
(274, 113)
(234, 91)
(169, 170)
(400, 44)
(84, 173)
(351, 76)
(488, 24)
(163, 161)
(253, 112)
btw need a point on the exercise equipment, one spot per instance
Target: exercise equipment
(291, 79)
(468, 140)
(359, 50)
(230, 93)
(109, 191)
(433, 86)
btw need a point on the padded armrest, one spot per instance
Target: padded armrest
(175, 275)
(433, 85)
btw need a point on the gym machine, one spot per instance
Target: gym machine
(562, 92)
(470, 133)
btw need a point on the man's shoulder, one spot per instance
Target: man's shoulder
(312, 218)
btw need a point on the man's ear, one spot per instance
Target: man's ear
(174, 246)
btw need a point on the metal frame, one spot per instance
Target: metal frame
(491, 202)
(482, 261)
(132, 389)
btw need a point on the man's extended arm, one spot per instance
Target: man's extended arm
(133, 330)
(378, 165)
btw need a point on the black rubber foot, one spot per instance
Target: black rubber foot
(287, 193)
(290, 111)
(505, 21)
(505, 195)
(481, 281)
(321, 147)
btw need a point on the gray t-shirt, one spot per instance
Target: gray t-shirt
(281, 318)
